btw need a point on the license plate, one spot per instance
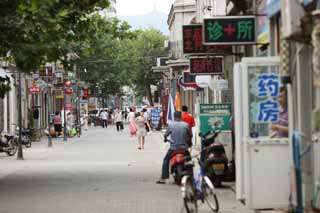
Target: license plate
(219, 166)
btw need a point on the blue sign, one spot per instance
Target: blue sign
(273, 7)
(268, 90)
(268, 85)
(268, 111)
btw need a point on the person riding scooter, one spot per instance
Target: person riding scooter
(180, 134)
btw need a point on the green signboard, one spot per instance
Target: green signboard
(226, 30)
(214, 117)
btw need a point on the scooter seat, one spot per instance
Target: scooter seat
(9, 137)
(179, 151)
(25, 131)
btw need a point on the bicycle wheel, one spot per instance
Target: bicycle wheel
(210, 195)
(189, 195)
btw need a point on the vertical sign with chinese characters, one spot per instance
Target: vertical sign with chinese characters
(206, 66)
(268, 89)
(193, 42)
(226, 30)
(265, 89)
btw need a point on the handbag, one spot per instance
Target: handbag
(147, 127)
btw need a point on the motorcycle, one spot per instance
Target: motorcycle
(179, 166)
(9, 146)
(213, 156)
(25, 137)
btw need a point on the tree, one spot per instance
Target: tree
(140, 56)
(36, 31)
(99, 53)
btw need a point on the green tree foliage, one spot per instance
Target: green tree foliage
(35, 31)
(99, 52)
(139, 56)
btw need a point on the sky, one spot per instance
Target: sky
(141, 7)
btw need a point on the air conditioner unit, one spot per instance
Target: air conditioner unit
(292, 13)
(162, 61)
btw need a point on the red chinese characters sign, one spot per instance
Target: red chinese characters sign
(206, 66)
(34, 90)
(193, 42)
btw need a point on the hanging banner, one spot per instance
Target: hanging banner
(206, 65)
(193, 42)
(262, 24)
(230, 30)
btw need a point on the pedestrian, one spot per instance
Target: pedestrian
(180, 134)
(84, 120)
(189, 119)
(70, 122)
(104, 117)
(110, 117)
(125, 114)
(142, 124)
(118, 119)
(155, 116)
(57, 124)
(132, 123)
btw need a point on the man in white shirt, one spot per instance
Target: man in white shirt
(104, 117)
(118, 119)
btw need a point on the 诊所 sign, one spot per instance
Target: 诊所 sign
(232, 30)
(206, 65)
(214, 117)
(193, 42)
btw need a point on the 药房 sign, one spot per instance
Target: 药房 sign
(232, 30)
(206, 66)
(193, 42)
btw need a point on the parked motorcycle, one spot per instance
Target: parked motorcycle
(213, 156)
(179, 165)
(25, 137)
(9, 146)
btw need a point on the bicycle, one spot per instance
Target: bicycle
(198, 188)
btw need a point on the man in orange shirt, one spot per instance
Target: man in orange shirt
(188, 118)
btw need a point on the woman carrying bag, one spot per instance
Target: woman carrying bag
(142, 130)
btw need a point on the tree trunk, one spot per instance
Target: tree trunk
(149, 95)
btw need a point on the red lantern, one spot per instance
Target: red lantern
(67, 84)
(85, 94)
(68, 91)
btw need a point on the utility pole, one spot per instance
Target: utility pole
(48, 108)
(64, 115)
(20, 153)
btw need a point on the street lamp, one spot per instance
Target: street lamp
(66, 90)
(20, 153)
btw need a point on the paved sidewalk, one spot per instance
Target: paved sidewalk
(103, 171)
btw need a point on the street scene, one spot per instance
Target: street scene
(160, 106)
(100, 172)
